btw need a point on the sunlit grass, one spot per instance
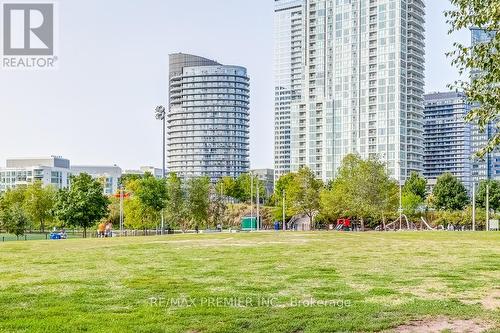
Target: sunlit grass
(357, 281)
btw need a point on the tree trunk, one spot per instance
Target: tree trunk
(84, 232)
(362, 225)
(42, 225)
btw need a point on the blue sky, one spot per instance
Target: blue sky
(97, 107)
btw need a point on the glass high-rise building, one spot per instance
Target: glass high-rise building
(447, 137)
(489, 166)
(208, 118)
(289, 34)
(349, 78)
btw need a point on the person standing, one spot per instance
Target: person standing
(100, 229)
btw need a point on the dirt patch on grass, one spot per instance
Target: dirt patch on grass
(443, 324)
(489, 302)
(492, 301)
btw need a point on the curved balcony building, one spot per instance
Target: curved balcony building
(208, 119)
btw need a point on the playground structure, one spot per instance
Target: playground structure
(344, 225)
(299, 222)
(398, 224)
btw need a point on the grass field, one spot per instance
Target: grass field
(267, 282)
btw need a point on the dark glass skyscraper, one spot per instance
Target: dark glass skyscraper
(447, 137)
(489, 166)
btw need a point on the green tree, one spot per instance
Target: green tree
(152, 193)
(125, 179)
(114, 210)
(303, 194)
(243, 188)
(198, 201)
(176, 206)
(449, 193)
(228, 186)
(13, 216)
(494, 194)
(83, 204)
(416, 184)
(137, 215)
(217, 210)
(411, 203)
(482, 59)
(14, 219)
(362, 190)
(39, 203)
(281, 186)
(414, 194)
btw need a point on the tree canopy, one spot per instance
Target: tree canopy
(449, 193)
(83, 204)
(362, 190)
(39, 203)
(494, 194)
(13, 216)
(198, 201)
(482, 60)
(302, 193)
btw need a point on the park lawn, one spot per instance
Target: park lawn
(368, 282)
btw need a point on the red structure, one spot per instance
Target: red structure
(343, 224)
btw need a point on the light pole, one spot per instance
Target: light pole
(258, 207)
(284, 217)
(488, 206)
(473, 205)
(400, 197)
(251, 195)
(160, 114)
(121, 210)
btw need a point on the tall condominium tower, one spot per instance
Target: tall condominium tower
(447, 137)
(208, 118)
(489, 166)
(349, 78)
(289, 33)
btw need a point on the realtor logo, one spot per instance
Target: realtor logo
(28, 29)
(28, 35)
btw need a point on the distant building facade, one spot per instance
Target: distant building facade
(110, 175)
(267, 177)
(208, 118)
(349, 78)
(447, 137)
(489, 166)
(156, 172)
(289, 41)
(52, 170)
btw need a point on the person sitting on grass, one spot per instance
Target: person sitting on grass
(63, 234)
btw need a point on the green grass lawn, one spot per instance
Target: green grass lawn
(258, 282)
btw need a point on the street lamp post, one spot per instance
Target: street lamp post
(284, 216)
(251, 195)
(160, 114)
(487, 206)
(258, 207)
(121, 210)
(473, 205)
(400, 197)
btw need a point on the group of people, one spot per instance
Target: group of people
(105, 230)
(58, 235)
